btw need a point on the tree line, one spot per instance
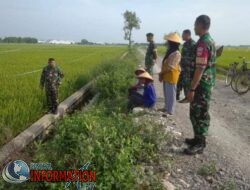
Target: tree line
(28, 40)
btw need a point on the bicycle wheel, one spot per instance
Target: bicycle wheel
(233, 83)
(242, 83)
(229, 77)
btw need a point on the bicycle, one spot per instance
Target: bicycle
(238, 74)
(231, 73)
(243, 79)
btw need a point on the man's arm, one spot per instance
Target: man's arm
(201, 62)
(155, 55)
(197, 77)
(61, 74)
(42, 79)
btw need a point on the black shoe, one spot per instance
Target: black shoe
(198, 148)
(190, 142)
(54, 111)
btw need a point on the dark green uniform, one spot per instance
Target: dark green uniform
(199, 108)
(51, 78)
(187, 66)
(150, 57)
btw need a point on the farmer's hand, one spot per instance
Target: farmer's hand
(190, 96)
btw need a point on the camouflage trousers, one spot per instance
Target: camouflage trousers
(199, 110)
(52, 97)
(149, 63)
(183, 83)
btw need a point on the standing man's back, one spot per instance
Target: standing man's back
(151, 54)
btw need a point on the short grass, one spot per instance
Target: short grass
(21, 100)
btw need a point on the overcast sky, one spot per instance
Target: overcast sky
(102, 21)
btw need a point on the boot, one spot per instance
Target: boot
(54, 110)
(198, 147)
(190, 142)
(177, 97)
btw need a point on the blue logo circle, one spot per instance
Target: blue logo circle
(16, 172)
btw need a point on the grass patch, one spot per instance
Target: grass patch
(229, 185)
(208, 169)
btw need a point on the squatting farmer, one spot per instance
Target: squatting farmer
(138, 87)
(148, 98)
(203, 81)
(151, 54)
(51, 78)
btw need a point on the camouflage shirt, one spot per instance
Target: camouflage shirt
(206, 58)
(51, 76)
(150, 55)
(188, 54)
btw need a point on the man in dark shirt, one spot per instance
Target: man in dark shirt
(187, 65)
(151, 54)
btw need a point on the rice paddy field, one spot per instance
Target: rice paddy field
(21, 100)
(229, 55)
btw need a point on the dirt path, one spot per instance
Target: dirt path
(228, 146)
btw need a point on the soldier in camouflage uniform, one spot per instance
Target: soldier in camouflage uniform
(151, 54)
(187, 65)
(201, 88)
(51, 78)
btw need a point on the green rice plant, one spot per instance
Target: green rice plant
(21, 100)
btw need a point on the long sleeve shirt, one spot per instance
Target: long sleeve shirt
(149, 95)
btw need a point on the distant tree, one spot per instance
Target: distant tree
(84, 41)
(0, 40)
(131, 21)
(20, 40)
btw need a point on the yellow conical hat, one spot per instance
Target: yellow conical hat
(146, 75)
(173, 36)
(140, 69)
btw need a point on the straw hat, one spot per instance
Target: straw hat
(146, 75)
(140, 69)
(173, 36)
